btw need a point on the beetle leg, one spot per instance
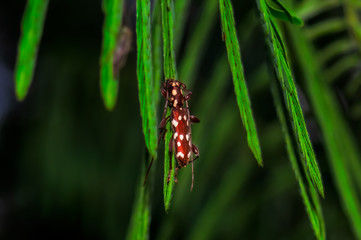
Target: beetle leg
(188, 96)
(163, 91)
(170, 152)
(148, 170)
(194, 119)
(183, 86)
(165, 105)
(195, 151)
(163, 130)
(176, 174)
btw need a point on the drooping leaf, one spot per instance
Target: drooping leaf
(169, 170)
(290, 96)
(157, 49)
(31, 32)
(170, 72)
(341, 147)
(310, 199)
(140, 219)
(145, 76)
(113, 10)
(240, 88)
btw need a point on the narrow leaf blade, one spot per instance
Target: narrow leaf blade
(311, 201)
(169, 170)
(145, 76)
(287, 84)
(342, 150)
(170, 72)
(113, 10)
(240, 88)
(31, 32)
(168, 40)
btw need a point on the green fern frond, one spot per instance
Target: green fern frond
(342, 150)
(169, 73)
(234, 58)
(145, 77)
(169, 170)
(141, 214)
(31, 32)
(310, 199)
(287, 84)
(113, 10)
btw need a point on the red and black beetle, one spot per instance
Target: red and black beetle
(177, 96)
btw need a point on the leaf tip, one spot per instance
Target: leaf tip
(20, 94)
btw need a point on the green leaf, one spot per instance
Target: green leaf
(145, 76)
(311, 201)
(31, 32)
(240, 88)
(287, 84)
(157, 49)
(170, 71)
(343, 152)
(278, 10)
(113, 10)
(169, 170)
(140, 220)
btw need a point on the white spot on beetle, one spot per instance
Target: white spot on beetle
(175, 123)
(180, 154)
(175, 135)
(179, 144)
(181, 137)
(175, 103)
(187, 137)
(174, 92)
(180, 118)
(185, 117)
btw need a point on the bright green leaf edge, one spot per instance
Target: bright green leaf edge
(234, 58)
(343, 153)
(287, 84)
(141, 214)
(170, 72)
(168, 186)
(145, 76)
(312, 202)
(113, 10)
(31, 32)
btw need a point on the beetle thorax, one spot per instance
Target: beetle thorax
(175, 93)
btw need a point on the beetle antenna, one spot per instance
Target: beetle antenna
(148, 170)
(192, 176)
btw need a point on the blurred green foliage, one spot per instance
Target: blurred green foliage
(74, 170)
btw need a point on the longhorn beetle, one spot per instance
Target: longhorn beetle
(176, 96)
